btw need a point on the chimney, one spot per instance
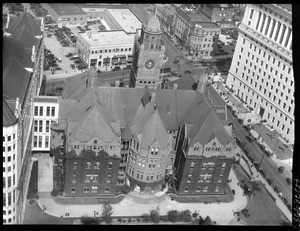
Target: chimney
(153, 96)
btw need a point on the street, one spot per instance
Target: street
(267, 165)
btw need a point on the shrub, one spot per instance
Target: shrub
(173, 215)
(129, 220)
(106, 213)
(55, 192)
(186, 216)
(195, 214)
(89, 220)
(138, 219)
(145, 217)
(120, 220)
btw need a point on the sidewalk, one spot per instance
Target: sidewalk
(131, 206)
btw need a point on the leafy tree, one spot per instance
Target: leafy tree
(106, 213)
(154, 215)
(195, 214)
(173, 215)
(207, 221)
(186, 216)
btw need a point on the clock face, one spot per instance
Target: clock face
(149, 64)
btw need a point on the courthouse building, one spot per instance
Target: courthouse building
(261, 71)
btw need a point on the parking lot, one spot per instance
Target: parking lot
(60, 52)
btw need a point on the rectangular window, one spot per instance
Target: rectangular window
(46, 141)
(47, 125)
(40, 141)
(88, 165)
(9, 198)
(53, 111)
(110, 165)
(41, 111)
(36, 110)
(9, 181)
(48, 111)
(35, 125)
(75, 165)
(41, 126)
(86, 190)
(34, 141)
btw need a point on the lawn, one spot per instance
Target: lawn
(262, 209)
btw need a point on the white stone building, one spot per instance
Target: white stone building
(261, 71)
(45, 113)
(105, 50)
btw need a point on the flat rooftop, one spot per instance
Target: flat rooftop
(126, 19)
(207, 24)
(108, 38)
(103, 6)
(66, 9)
(198, 17)
(46, 99)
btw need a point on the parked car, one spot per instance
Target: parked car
(59, 89)
(117, 68)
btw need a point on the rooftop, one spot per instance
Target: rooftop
(108, 38)
(198, 17)
(126, 19)
(64, 9)
(102, 6)
(9, 118)
(45, 99)
(208, 24)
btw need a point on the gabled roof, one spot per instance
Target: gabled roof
(154, 130)
(25, 36)
(15, 77)
(9, 118)
(25, 20)
(207, 129)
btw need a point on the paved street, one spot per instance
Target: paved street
(267, 164)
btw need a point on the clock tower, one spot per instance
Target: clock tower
(150, 57)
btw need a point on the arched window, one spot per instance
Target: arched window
(156, 151)
(152, 151)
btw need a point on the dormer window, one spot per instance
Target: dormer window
(152, 151)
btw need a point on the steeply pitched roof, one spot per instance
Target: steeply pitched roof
(9, 119)
(25, 20)
(208, 128)
(15, 77)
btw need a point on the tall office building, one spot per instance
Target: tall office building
(261, 71)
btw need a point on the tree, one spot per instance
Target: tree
(207, 221)
(154, 215)
(106, 213)
(173, 215)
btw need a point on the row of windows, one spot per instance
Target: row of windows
(39, 111)
(38, 125)
(140, 175)
(93, 189)
(11, 198)
(8, 169)
(96, 165)
(8, 159)
(279, 121)
(9, 220)
(110, 50)
(202, 189)
(11, 181)
(8, 211)
(38, 141)
(8, 138)
(9, 148)
(269, 27)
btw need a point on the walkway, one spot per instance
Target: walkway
(131, 206)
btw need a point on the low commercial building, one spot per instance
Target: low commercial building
(66, 14)
(104, 50)
(204, 39)
(218, 12)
